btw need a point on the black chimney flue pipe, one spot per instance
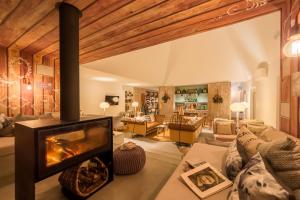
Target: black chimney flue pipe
(69, 61)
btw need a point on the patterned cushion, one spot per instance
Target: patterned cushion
(233, 161)
(284, 157)
(247, 143)
(254, 182)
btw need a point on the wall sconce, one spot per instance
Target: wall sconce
(261, 71)
(296, 84)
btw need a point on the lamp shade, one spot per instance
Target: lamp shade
(292, 47)
(238, 106)
(135, 104)
(104, 105)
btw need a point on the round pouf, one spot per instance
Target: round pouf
(129, 161)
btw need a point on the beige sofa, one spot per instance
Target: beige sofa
(176, 190)
(7, 156)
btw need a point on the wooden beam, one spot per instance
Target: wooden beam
(111, 19)
(208, 21)
(28, 13)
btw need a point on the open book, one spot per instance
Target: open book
(205, 180)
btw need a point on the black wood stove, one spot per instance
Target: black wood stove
(47, 147)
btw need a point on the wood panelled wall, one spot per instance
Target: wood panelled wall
(16, 98)
(289, 104)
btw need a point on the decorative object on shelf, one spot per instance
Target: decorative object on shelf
(166, 97)
(178, 91)
(218, 99)
(292, 47)
(247, 6)
(104, 106)
(135, 104)
(296, 84)
(237, 108)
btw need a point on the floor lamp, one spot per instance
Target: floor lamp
(104, 106)
(237, 108)
(135, 104)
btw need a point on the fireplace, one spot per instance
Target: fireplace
(46, 147)
(79, 148)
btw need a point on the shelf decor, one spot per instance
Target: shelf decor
(165, 98)
(217, 98)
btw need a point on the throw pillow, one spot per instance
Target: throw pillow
(147, 118)
(254, 182)
(271, 134)
(247, 143)
(224, 128)
(233, 161)
(284, 157)
(152, 118)
(256, 129)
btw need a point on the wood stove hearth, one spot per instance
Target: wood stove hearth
(81, 148)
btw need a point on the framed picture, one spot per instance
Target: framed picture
(112, 100)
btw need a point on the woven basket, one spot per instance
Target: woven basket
(86, 178)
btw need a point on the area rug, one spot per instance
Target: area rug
(163, 136)
(161, 160)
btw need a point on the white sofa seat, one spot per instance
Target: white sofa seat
(7, 156)
(175, 189)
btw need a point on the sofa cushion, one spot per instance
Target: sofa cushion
(152, 125)
(284, 157)
(233, 161)
(247, 143)
(255, 182)
(224, 127)
(271, 134)
(7, 146)
(256, 129)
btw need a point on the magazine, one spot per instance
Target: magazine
(205, 180)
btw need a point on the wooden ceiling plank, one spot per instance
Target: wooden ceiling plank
(165, 9)
(23, 18)
(162, 10)
(7, 7)
(177, 17)
(111, 19)
(46, 25)
(183, 32)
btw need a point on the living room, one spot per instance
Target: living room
(143, 97)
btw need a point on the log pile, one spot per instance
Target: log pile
(86, 178)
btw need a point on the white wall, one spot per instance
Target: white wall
(93, 92)
(230, 53)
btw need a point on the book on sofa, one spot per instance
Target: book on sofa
(205, 180)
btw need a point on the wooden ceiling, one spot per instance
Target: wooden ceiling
(112, 27)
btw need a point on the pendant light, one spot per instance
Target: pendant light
(292, 47)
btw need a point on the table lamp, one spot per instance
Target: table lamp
(104, 106)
